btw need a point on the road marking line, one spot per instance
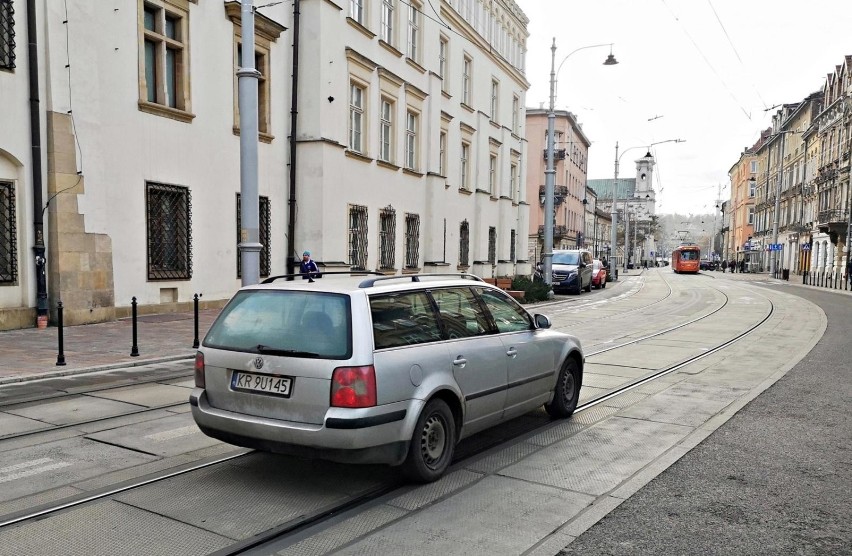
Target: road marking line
(174, 433)
(35, 471)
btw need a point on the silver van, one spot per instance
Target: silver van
(378, 369)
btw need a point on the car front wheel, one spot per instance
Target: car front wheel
(432, 444)
(566, 395)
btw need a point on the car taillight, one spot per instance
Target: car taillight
(199, 369)
(353, 387)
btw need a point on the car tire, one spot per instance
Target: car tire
(432, 444)
(566, 394)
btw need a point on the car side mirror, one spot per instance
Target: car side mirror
(541, 321)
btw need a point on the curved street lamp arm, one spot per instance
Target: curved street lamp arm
(579, 49)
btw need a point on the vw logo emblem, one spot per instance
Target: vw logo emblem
(258, 363)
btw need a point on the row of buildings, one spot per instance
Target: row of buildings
(795, 181)
(393, 137)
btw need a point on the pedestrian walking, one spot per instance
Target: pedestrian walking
(849, 268)
(308, 268)
(724, 266)
(742, 265)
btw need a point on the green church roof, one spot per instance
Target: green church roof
(624, 188)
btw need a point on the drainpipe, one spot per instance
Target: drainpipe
(294, 111)
(35, 135)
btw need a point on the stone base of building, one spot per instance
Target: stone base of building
(16, 318)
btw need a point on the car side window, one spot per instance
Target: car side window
(403, 319)
(507, 315)
(461, 313)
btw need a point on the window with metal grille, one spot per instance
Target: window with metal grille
(464, 244)
(264, 219)
(512, 240)
(492, 245)
(412, 240)
(387, 238)
(169, 232)
(358, 237)
(8, 237)
(7, 35)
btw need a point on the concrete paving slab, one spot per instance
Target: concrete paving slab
(122, 530)
(72, 410)
(624, 371)
(480, 511)
(167, 436)
(123, 420)
(598, 459)
(419, 496)
(36, 439)
(148, 395)
(261, 490)
(588, 393)
(684, 404)
(182, 382)
(46, 497)
(35, 469)
(638, 355)
(601, 381)
(14, 424)
(502, 457)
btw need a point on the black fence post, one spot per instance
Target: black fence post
(60, 357)
(134, 349)
(195, 342)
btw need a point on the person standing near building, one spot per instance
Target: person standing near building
(724, 266)
(308, 268)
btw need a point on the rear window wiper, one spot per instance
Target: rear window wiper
(277, 351)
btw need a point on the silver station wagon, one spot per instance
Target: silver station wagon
(370, 369)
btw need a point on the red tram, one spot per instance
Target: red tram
(686, 258)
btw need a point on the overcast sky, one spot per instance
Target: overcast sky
(700, 70)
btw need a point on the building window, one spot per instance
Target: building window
(513, 181)
(165, 64)
(492, 174)
(358, 237)
(386, 30)
(7, 35)
(443, 45)
(752, 185)
(442, 153)
(492, 244)
(169, 232)
(261, 64)
(386, 131)
(464, 243)
(753, 166)
(8, 237)
(516, 114)
(495, 89)
(387, 238)
(356, 10)
(264, 218)
(412, 240)
(750, 216)
(411, 141)
(413, 50)
(465, 157)
(356, 118)
(467, 68)
(512, 251)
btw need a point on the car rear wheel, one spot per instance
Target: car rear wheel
(432, 444)
(566, 395)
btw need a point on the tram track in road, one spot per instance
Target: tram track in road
(535, 425)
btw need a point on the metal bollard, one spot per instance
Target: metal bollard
(60, 357)
(195, 342)
(134, 349)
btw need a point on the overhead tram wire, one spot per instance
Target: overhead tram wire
(707, 61)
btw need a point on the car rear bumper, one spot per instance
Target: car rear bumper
(369, 435)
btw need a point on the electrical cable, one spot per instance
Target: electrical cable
(70, 107)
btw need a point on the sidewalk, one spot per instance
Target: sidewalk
(32, 353)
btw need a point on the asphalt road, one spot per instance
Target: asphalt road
(775, 479)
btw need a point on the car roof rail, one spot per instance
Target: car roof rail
(370, 282)
(321, 274)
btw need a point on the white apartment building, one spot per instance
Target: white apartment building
(408, 146)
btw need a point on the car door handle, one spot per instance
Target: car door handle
(460, 361)
(511, 352)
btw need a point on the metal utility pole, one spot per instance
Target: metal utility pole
(249, 245)
(614, 214)
(549, 174)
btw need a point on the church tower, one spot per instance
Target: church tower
(644, 182)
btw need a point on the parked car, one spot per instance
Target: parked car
(572, 270)
(371, 369)
(598, 274)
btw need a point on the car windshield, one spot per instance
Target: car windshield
(689, 255)
(292, 323)
(566, 258)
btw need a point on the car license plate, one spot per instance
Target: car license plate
(266, 384)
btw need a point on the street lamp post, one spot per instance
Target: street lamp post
(614, 210)
(550, 172)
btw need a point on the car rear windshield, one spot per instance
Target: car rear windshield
(689, 255)
(288, 323)
(566, 258)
